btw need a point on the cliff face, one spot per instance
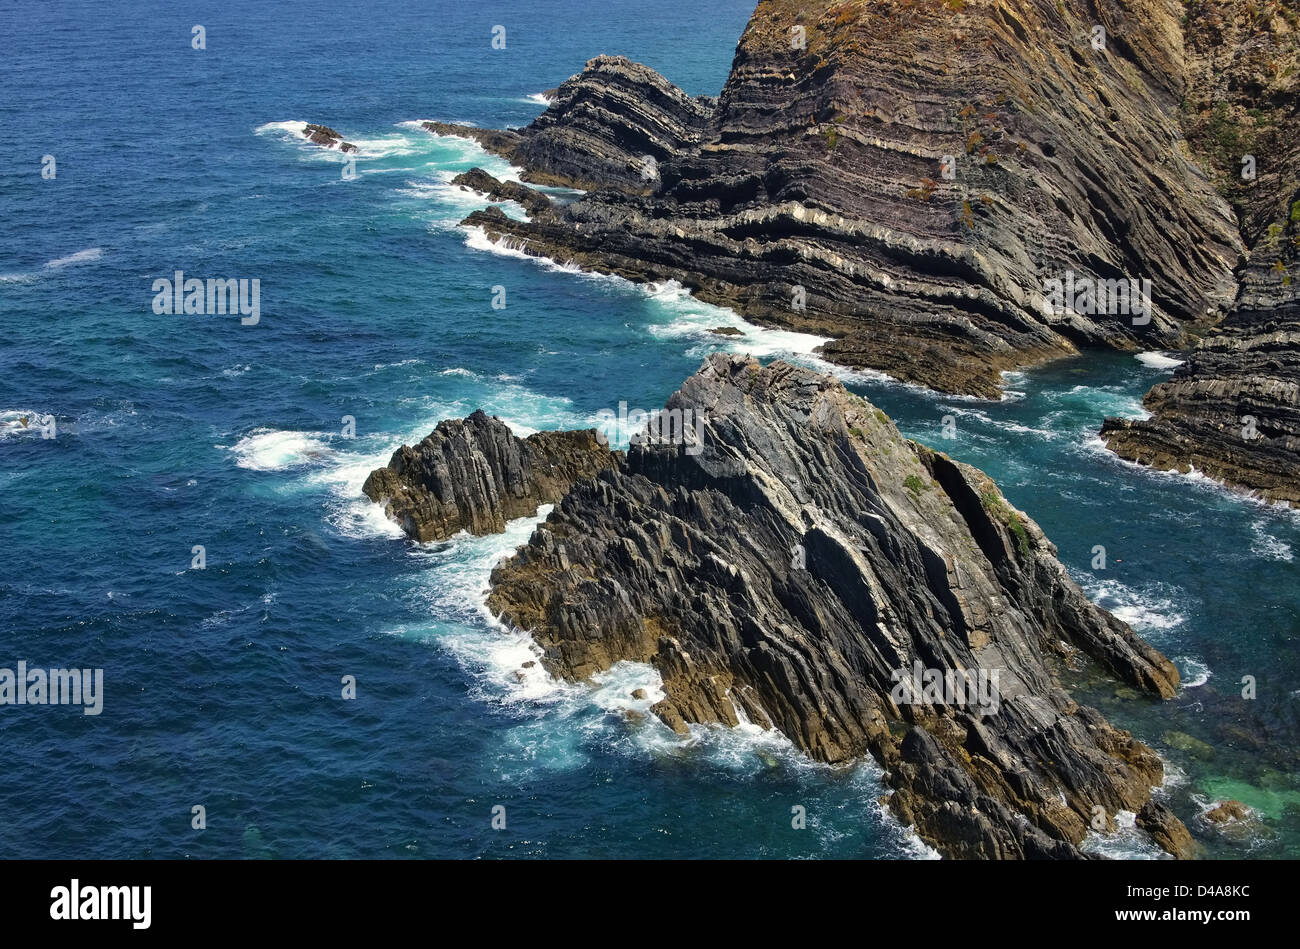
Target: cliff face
(475, 474)
(814, 195)
(1233, 410)
(807, 562)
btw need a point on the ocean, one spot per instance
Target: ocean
(223, 685)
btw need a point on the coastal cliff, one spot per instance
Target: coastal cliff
(903, 177)
(804, 563)
(1232, 411)
(911, 178)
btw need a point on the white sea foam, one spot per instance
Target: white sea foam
(1125, 843)
(271, 449)
(1005, 424)
(80, 257)
(1154, 608)
(18, 422)
(692, 318)
(687, 316)
(539, 98)
(1193, 673)
(1158, 360)
(1266, 545)
(293, 128)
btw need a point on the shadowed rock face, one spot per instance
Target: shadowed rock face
(327, 137)
(1233, 410)
(812, 196)
(475, 474)
(787, 571)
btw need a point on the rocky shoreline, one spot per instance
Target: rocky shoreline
(475, 474)
(908, 178)
(804, 567)
(797, 570)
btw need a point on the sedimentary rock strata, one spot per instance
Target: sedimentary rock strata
(475, 474)
(818, 194)
(609, 127)
(809, 569)
(1233, 410)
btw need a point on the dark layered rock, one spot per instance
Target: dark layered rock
(476, 179)
(791, 566)
(1232, 411)
(475, 474)
(611, 126)
(499, 142)
(325, 136)
(813, 197)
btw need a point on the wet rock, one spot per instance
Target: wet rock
(1232, 411)
(1227, 811)
(325, 136)
(812, 194)
(476, 179)
(1166, 829)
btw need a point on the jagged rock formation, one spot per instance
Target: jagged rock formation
(1233, 410)
(325, 136)
(789, 569)
(813, 195)
(475, 474)
(476, 179)
(611, 126)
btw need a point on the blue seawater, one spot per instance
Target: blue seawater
(223, 685)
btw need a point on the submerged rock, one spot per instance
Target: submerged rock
(802, 568)
(475, 474)
(1227, 811)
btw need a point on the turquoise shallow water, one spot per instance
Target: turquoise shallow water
(223, 685)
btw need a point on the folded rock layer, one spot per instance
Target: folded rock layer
(794, 567)
(1232, 411)
(475, 474)
(905, 177)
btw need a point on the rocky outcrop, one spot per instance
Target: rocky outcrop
(807, 568)
(609, 127)
(499, 142)
(476, 179)
(1233, 410)
(475, 474)
(818, 193)
(325, 136)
